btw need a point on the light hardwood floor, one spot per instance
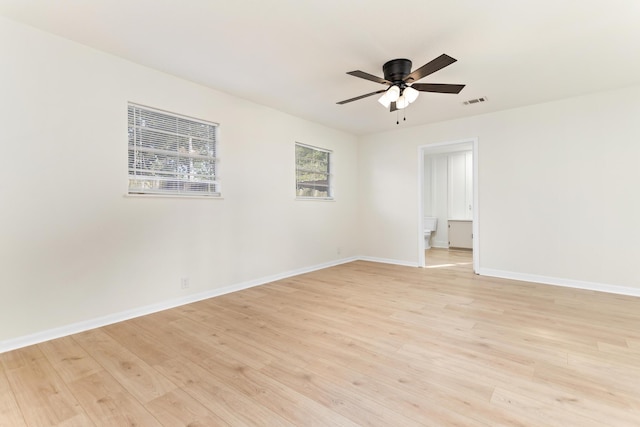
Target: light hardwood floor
(357, 344)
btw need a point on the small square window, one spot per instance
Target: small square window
(313, 173)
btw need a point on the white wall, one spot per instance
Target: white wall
(558, 190)
(437, 167)
(74, 248)
(460, 185)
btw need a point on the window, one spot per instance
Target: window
(171, 154)
(313, 172)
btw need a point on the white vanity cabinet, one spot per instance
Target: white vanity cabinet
(460, 234)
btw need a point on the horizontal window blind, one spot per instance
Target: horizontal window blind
(171, 154)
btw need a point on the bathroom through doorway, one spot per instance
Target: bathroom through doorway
(448, 199)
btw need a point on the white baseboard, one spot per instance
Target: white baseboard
(567, 283)
(78, 327)
(98, 322)
(438, 246)
(388, 261)
(439, 243)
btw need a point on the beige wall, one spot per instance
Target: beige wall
(74, 248)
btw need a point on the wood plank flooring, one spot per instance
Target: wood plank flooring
(357, 344)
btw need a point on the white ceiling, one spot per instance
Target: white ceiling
(292, 55)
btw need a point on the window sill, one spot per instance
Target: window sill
(171, 196)
(316, 199)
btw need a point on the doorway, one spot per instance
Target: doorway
(447, 150)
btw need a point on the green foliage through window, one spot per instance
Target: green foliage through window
(313, 172)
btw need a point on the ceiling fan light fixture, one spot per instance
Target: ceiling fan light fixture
(384, 100)
(402, 102)
(393, 93)
(410, 94)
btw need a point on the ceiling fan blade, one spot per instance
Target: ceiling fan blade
(392, 107)
(430, 67)
(361, 96)
(368, 76)
(437, 87)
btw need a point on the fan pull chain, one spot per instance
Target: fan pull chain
(404, 113)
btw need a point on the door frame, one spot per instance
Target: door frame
(441, 147)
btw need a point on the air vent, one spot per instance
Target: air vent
(475, 101)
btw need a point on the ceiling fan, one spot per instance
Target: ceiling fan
(402, 90)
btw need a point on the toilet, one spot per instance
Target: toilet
(430, 224)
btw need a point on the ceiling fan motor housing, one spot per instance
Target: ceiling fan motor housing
(396, 70)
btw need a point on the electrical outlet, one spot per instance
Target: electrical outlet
(184, 283)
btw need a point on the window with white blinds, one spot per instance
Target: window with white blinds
(171, 154)
(313, 173)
